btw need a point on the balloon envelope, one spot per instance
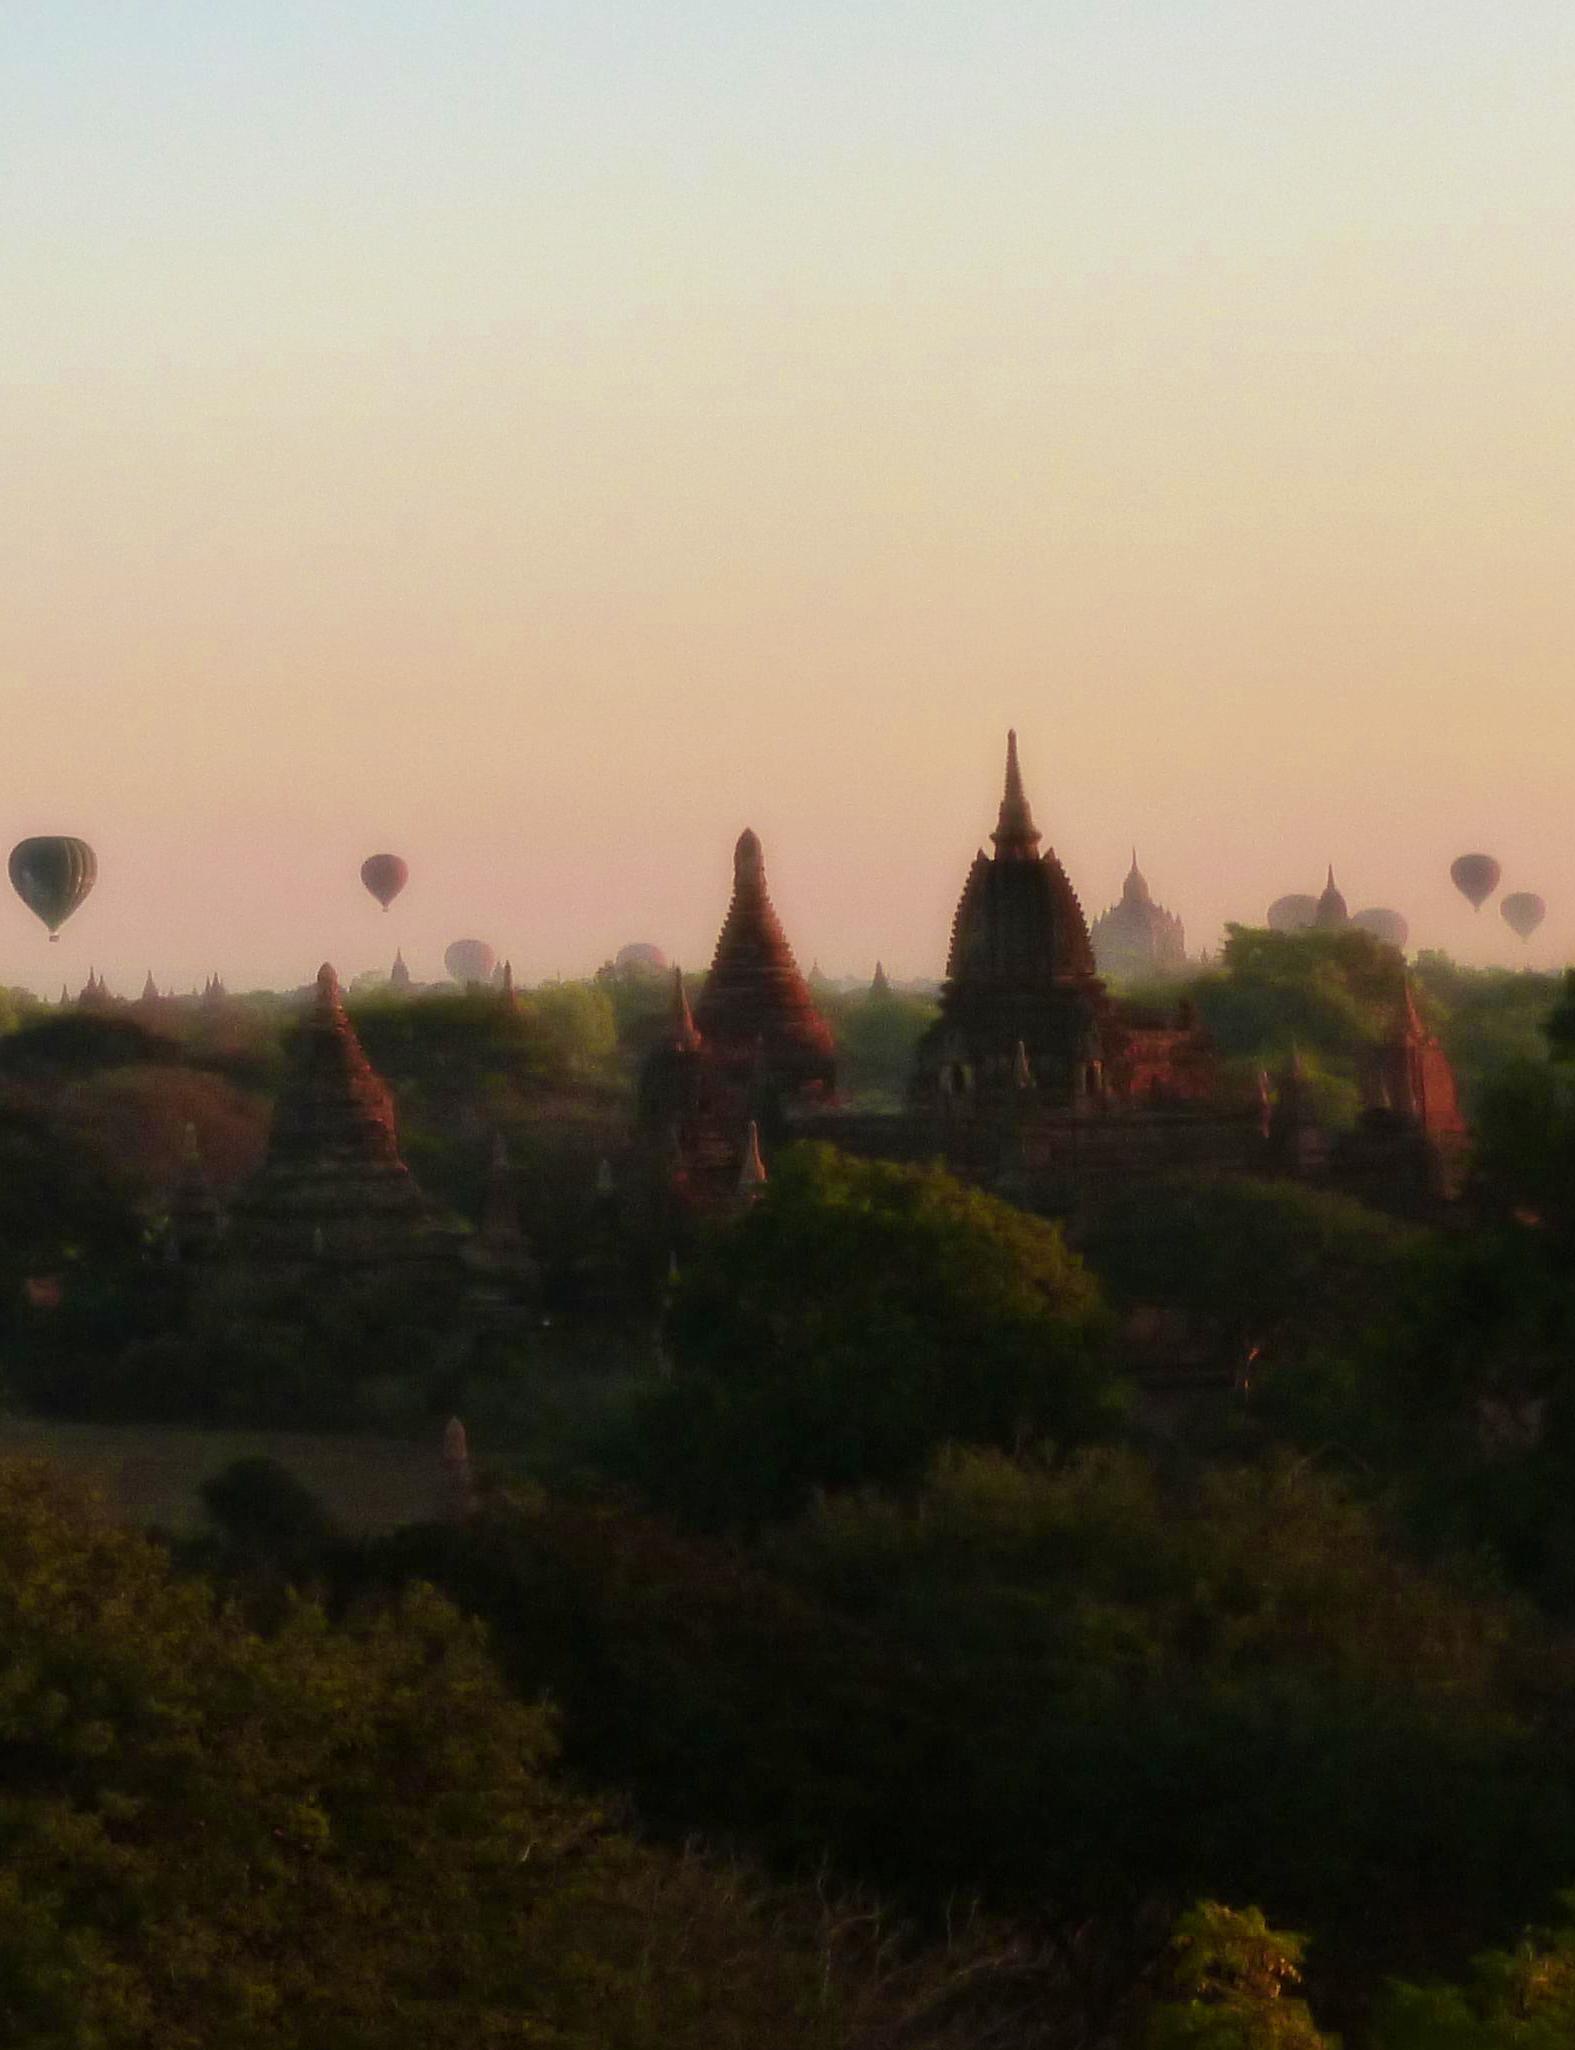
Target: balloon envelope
(470, 960)
(52, 875)
(1524, 911)
(1292, 914)
(1384, 925)
(1475, 876)
(640, 957)
(385, 875)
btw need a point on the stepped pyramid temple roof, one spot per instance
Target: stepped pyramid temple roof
(1136, 937)
(755, 1003)
(1020, 968)
(1019, 925)
(333, 1188)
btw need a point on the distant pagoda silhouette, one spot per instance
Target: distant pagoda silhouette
(333, 1190)
(1332, 914)
(1137, 939)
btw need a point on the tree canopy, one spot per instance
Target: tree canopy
(857, 1317)
(329, 1835)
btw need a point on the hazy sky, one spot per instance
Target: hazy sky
(542, 439)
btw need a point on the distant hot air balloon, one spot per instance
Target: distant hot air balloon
(1475, 876)
(1388, 926)
(52, 876)
(640, 957)
(1292, 914)
(1523, 912)
(470, 961)
(385, 875)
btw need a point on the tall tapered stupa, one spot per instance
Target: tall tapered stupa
(756, 1007)
(333, 1190)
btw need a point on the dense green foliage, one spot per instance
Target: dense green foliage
(1230, 1978)
(1111, 1688)
(1267, 1271)
(875, 1573)
(321, 1836)
(856, 1318)
(877, 1033)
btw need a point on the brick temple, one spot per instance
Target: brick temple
(1034, 1080)
(333, 1191)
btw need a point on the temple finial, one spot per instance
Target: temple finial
(748, 860)
(1135, 889)
(1016, 835)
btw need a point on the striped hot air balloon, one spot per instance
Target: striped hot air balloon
(52, 875)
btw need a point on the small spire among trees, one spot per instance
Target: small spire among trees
(686, 1034)
(752, 1169)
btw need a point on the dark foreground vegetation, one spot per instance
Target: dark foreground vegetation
(880, 1660)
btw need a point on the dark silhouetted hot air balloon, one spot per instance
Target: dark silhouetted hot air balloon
(52, 876)
(1475, 876)
(1292, 914)
(1384, 925)
(470, 961)
(385, 875)
(1523, 912)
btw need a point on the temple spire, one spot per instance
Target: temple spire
(686, 1037)
(1016, 836)
(1332, 912)
(1135, 889)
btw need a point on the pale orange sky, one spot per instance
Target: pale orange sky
(543, 450)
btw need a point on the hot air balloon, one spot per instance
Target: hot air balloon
(640, 957)
(1475, 876)
(1384, 925)
(385, 875)
(1523, 912)
(52, 876)
(470, 961)
(1292, 914)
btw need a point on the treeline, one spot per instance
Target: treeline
(901, 1655)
